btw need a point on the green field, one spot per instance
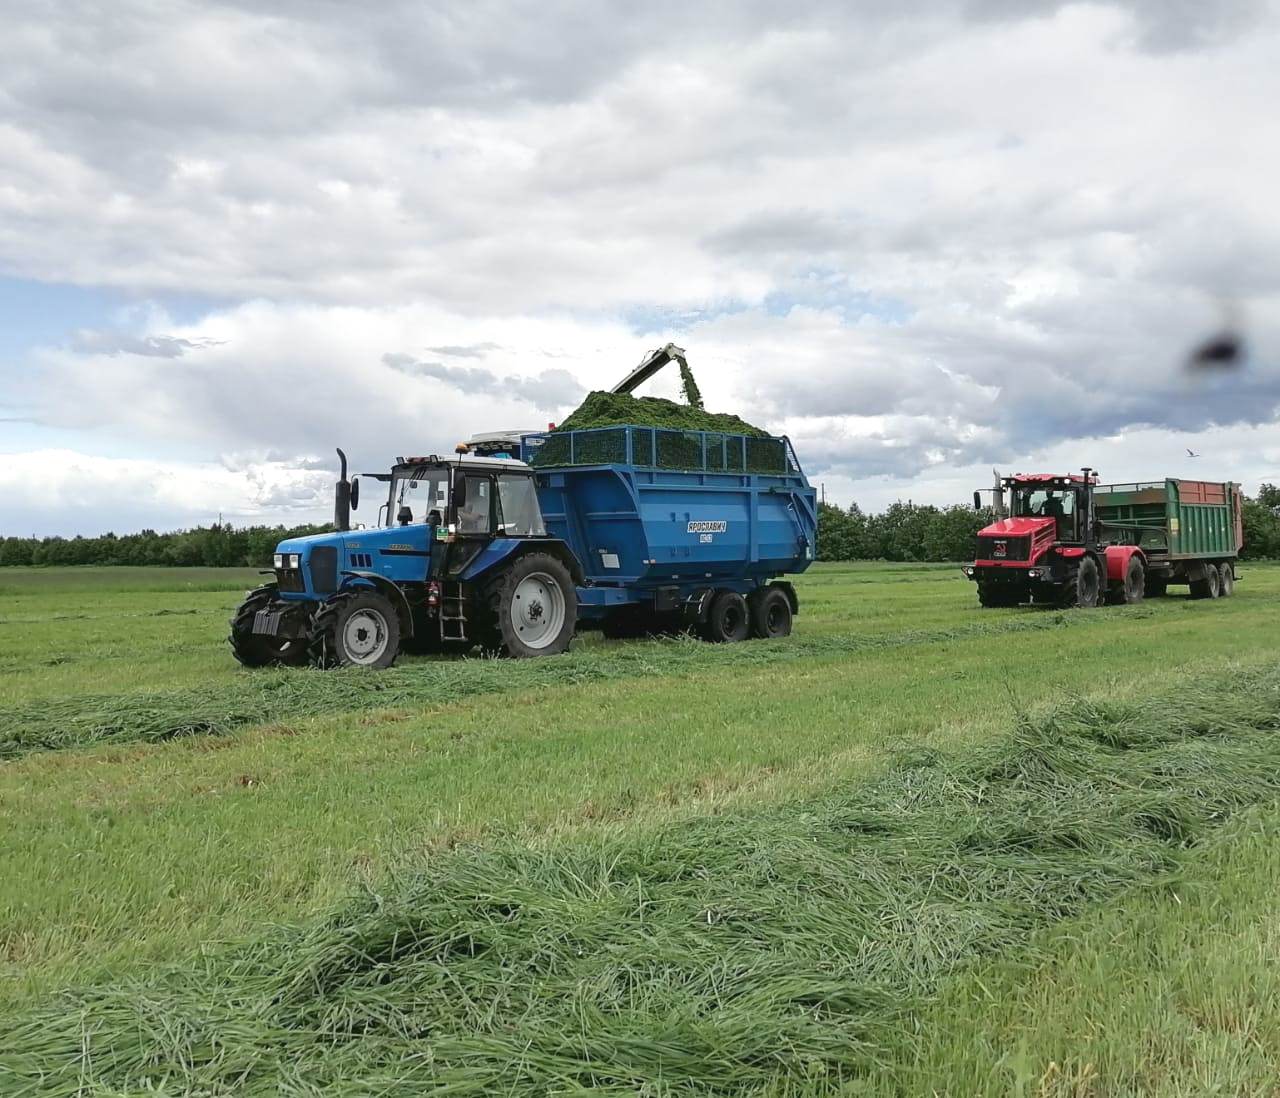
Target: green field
(917, 847)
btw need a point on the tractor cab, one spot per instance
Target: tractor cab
(1065, 500)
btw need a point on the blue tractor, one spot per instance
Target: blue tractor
(459, 557)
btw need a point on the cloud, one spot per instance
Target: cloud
(89, 342)
(918, 238)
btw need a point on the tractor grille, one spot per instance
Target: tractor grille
(324, 569)
(1004, 548)
(289, 579)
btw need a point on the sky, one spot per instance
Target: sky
(922, 240)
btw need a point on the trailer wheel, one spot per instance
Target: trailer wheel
(1155, 587)
(728, 619)
(255, 650)
(531, 607)
(1226, 580)
(1084, 587)
(1134, 585)
(770, 611)
(1210, 587)
(356, 630)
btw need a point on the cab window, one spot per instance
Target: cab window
(474, 510)
(519, 513)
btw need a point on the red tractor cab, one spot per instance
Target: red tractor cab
(1045, 547)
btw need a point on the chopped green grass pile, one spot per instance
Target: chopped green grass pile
(267, 697)
(779, 950)
(602, 409)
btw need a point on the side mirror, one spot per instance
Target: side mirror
(977, 501)
(460, 492)
(355, 493)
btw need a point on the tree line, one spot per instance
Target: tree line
(216, 546)
(902, 532)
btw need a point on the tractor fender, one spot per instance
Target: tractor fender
(1118, 557)
(508, 550)
(384, 587)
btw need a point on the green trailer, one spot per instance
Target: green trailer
(1190, 531)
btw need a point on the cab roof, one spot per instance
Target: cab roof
(1046, 478)
(470, 460)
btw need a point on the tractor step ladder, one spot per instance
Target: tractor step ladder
(453, 612)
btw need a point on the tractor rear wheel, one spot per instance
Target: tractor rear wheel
(770, 611)
(1226, 580)
(356, 629)
(256, 649)
(728, 619)
(531, 608)
(1134, 585)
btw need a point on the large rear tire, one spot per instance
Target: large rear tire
(728, 619)
(770, 611)
(1210, 586)
(530, 608)
(1133, 586)
(356, 629)
(254, 649)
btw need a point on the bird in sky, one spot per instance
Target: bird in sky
(1191, 453)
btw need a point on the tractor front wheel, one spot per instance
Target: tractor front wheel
(357, 629)
(1084, 587)
(258, 649)
(531, 607)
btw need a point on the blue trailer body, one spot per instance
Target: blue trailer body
(654, 516)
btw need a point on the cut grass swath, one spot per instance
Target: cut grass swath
(265, 697)
(770, 951)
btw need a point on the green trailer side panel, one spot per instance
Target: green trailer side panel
(1180, 519)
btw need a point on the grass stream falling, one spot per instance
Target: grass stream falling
(269, 697)
(772, 950)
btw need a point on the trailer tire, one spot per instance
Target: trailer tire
(1226, 580)
(254, 650)
(1210, 587)
(1155, 587)
(1084, 586)
(1133, 586)
(770, 611)
(728, 619)
(356, 629)
(531, 608)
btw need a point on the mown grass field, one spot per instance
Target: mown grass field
(916, 847)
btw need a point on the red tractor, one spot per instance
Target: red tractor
(1048, 551)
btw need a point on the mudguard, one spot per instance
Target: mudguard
(503, 549)
(353, 580)
(1118, 557)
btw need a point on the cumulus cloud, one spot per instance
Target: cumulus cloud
(919, 238)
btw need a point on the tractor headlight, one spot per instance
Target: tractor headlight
(968, 571)
(278, 560)
(1033, 573)
(295, 560)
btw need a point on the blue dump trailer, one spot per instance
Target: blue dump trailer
(630, 529)
(678, 529)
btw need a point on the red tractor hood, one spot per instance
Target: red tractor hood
(1016, 527)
